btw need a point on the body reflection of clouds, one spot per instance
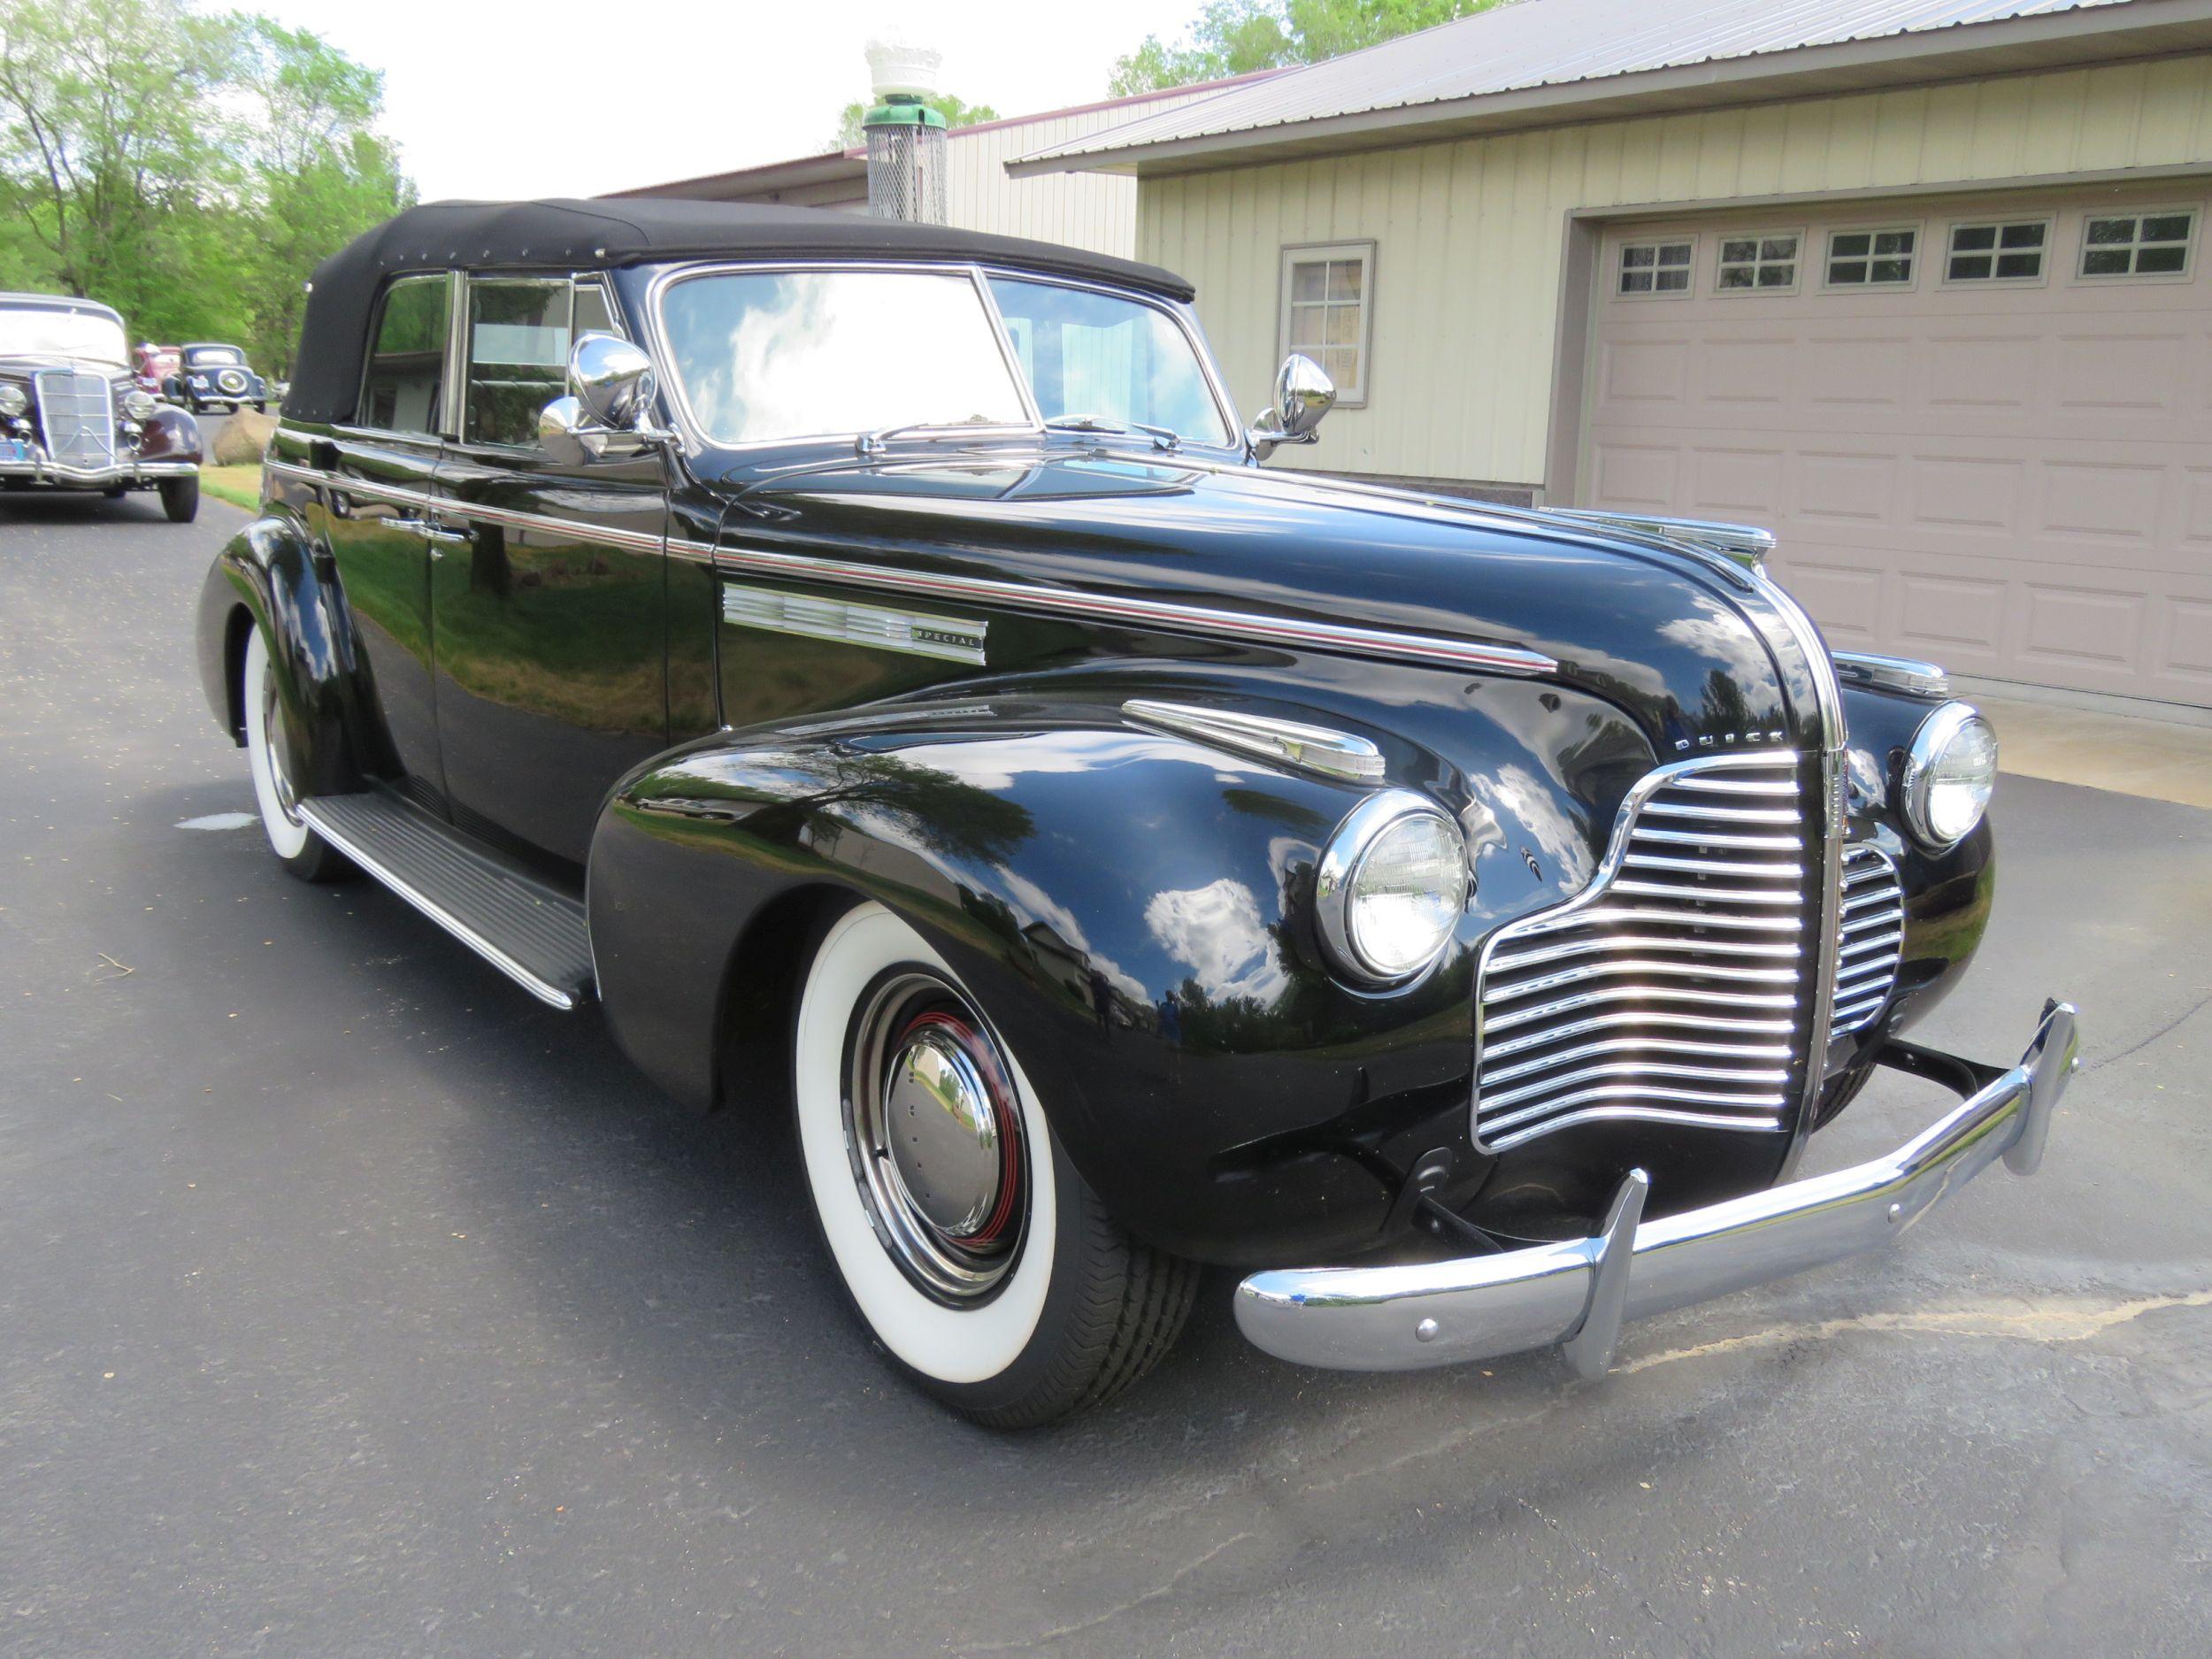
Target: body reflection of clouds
(1516, 795)
(1719, 632)
(1217, 931)
(1031, 902)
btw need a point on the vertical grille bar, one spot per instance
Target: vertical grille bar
(76, 413)
(1675, 987)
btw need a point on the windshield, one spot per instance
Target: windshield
(760, 356)
(1118, 361)
(39, 331)
(204, 356)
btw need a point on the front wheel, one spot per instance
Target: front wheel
(965, 1240)
(180, 499)
(297, 846)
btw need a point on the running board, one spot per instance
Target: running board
(534, 935)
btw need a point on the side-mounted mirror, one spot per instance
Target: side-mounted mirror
(1304, 394)
(608, 415)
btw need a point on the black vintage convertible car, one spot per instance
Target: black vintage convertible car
(72, 415)
(869, 661)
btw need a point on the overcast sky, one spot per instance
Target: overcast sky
(555, 98)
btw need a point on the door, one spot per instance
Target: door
(375, 511)
(547, 608)
(1980, 426)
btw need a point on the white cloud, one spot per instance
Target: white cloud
(561, 98)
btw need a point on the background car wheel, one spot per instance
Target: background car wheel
(297, 846)
(260, 407)
(964, 1239)
(180, 499)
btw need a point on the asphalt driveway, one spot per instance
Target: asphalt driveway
(353, 1303)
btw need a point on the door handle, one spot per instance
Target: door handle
(437, 534)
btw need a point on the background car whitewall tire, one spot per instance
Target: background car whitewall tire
(1074, 1312)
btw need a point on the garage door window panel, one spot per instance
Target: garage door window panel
(1882, 256)
(1656, 269)
(2155, 243)
(1328, 312)
(1761, 262)
(1998, 251)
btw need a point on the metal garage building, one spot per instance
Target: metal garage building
(1919, 283)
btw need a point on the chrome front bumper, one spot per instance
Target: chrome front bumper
(1578, 1293)
(55, 475)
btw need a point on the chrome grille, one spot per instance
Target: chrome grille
(1669, 990)
(76, 414)
(1872, 937)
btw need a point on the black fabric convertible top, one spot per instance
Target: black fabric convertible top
(571, 235)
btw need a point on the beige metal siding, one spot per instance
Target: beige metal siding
(2012, 479)
(1469, 234)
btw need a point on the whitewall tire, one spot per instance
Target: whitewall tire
(964, 1239)
(297, 846)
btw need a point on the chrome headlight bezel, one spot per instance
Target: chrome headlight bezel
(1337, 883)
(139, 403)
(1930, 744)
(14, 399)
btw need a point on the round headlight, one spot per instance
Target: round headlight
(1391, 887)
(139, 405)
(1949, 772)
(14, 399)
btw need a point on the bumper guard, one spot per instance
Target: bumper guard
(1578, 1293)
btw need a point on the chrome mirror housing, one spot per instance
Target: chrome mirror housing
(1304, 395)
(607, 416)
(613, 381)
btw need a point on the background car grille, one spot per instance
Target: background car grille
(76, 413)
(1671, 988)
(1872, 937)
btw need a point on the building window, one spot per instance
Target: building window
(1327, 309)
(1766, 262)
(1873, 258)
(2009, 252)
(1655, 267)
(2137, 244)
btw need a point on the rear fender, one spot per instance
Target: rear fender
(1131, 908)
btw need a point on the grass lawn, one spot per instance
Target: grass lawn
(240, 486)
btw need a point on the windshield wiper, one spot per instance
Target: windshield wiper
(1164, 438)
(874, 442)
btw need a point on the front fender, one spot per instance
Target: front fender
(1130, 908)
(270, 576)
(170, 434)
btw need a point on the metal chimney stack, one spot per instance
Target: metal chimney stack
(906, 138)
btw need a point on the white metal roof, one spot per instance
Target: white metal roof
(1534, 44)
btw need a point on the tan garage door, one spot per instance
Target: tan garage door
(1982, 428)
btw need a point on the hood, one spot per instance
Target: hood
(26, 364)
(1692, 646)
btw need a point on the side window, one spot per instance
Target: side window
(595, 313)
(1655, 267)
(1997, 252)
(1326, 310)
(1765, 262)
(518, 334)
(403, 387)
(2137, 244)
(1873, 258)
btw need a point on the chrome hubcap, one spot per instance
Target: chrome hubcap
(934, 1135)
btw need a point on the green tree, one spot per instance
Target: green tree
(956, 113)
(1235, 37)
(188, 171)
